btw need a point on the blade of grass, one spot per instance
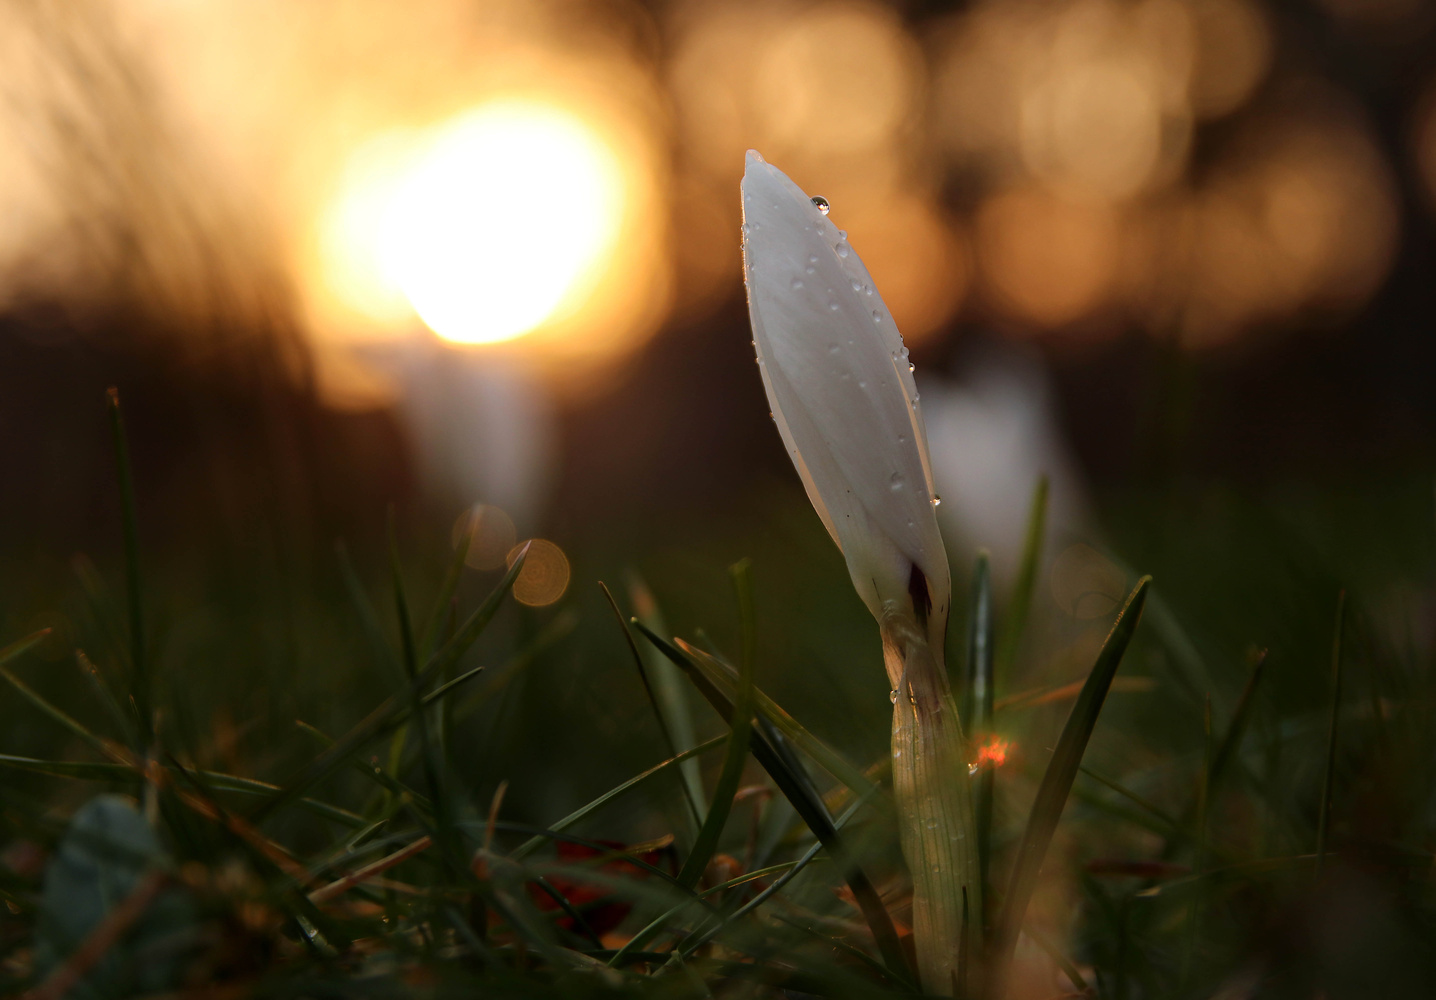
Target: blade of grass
(978, 697)
(1323, 817)
(428, 748)
(739, 725)
(533, 843)
(702, 936)
(670, 689)
(811, 809)
(383, 715)
(447, 589)
(123, 723)
(139, 665)
(1022, 590)
(368, 614)
(658, 713)
(656, 926)
(1057, 782)
(724, 679)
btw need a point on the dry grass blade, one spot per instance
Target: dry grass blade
(1057, 782)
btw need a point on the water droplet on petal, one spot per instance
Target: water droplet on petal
(812, 258)
(877, 316)
(895, 482)
(833, 306)
(892, 697)
(857, 286)
(810, 269)
(971, 769)
(867, 289)
(911, 367)
(842, 248)
(821, 204)
(936, 500)
(862, 383)
(932, 825)
(833, 348)
(797, 283)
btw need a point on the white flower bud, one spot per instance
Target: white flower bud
(842, 393)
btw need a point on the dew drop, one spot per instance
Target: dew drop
(812, 258)
(892, 697)
(936, 500)
(895, 482)
(971, 770)
(932, 825)
(877, 316)
(936, 869)
(796, 283)
(862, 383)
(911, 367)
(821, 204)
(833, 348)
(867, 289)
(833, 306)
(842, 248)
(857, 286)
(810, 269)
(902, 438)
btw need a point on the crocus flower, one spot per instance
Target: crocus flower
(843, 397)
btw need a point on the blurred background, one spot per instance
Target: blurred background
(1177, 255)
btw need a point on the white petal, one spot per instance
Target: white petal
(838, 379)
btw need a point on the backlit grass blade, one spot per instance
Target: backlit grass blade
(455, 572)
(377, 721)
(978, 696)
(724, 678)
(1057, 781)
(1323, 817)
(1021, 602)
(740, 724)
(809, 807)
(428, 747)
(670, 689)
(140, 681)
(658, 713)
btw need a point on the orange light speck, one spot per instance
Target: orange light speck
(994, 752)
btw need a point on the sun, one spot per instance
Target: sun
(497, 222)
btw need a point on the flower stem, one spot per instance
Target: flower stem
(934, 803)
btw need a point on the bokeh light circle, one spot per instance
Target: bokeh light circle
(545, 575)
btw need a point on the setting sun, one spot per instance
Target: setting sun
(488, 227)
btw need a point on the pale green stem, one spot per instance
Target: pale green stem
(934, 804)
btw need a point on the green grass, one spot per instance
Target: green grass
(508, 790)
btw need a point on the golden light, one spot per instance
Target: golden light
(491, 536)
(490, 226)
(1044, 260)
